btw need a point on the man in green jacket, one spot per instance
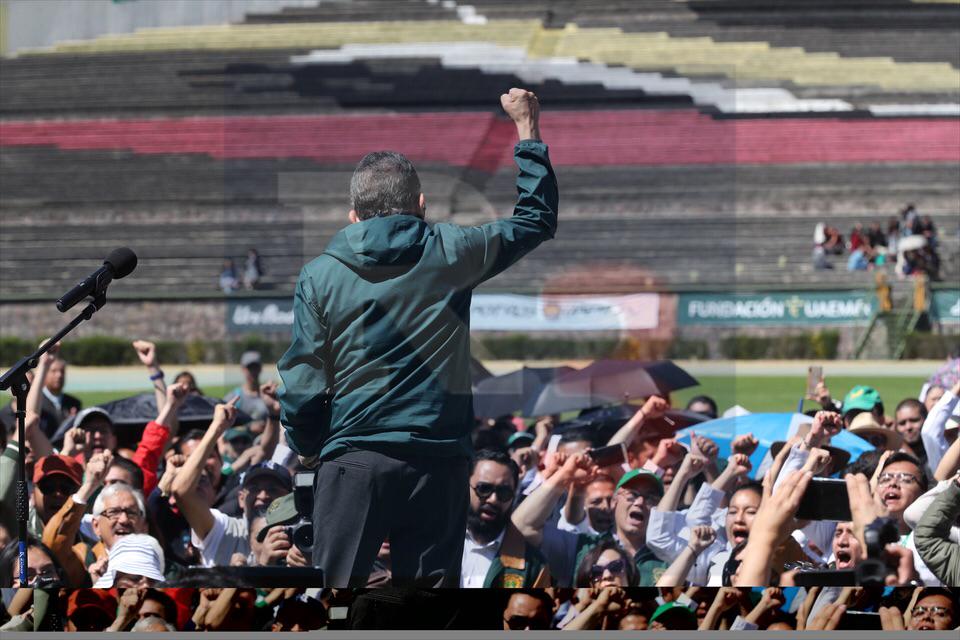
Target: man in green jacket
(377, 390)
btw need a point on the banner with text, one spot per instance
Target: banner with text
(808, 308)
(946, 305)
(493, 312)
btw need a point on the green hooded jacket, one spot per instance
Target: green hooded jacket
(380, 355)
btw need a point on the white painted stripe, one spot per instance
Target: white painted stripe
(492, 58)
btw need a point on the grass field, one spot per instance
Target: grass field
(756, 393)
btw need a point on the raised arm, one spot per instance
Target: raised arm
(532, 514)
(147, 352)
(701, 537)
(184, 489)
(494, 246)
(932, 535)
(932, 432)
(654, 407)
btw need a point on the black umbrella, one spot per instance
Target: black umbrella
(514, 391)
(611, 382)
(607, 421)
(132, 414)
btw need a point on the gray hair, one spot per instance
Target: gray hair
(151, 623)
(383, 184)
(113, 489)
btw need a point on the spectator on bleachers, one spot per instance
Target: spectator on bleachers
(253, 270)
(893, 234)
(908, 220)
(857, 237)
(229, 282)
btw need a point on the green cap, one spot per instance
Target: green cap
(520, 435)
(237, 433)
(680, 610)
(631, 475)
(281, 511)
(861, 398)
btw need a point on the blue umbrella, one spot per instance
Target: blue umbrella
(767, 428)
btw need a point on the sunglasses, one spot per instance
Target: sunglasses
(484, 490)
(615, 567)
(519, 623)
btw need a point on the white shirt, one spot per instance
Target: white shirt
(226, 537)
(477, 559)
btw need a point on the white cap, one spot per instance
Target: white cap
(137, 554)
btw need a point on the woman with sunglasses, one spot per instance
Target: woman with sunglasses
(607, 565)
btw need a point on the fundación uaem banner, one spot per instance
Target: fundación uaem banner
(803, 308)
(492, 312)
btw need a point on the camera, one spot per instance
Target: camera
(301, 532)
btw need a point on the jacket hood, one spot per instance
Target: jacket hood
(395, 242)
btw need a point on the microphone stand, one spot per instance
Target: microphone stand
(16, 380)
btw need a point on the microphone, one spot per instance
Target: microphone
(119, 264)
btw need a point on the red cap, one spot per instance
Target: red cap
(100, 598)
(57, 464)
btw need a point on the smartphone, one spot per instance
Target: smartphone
(615, 454)
(860, 621)
(814, 377)
(553, 443)
(825, 499)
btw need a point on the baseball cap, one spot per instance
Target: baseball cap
(91, 598)
(862, 398)
(281, 511)
(268, 468)
(56, 464)
(520, 439)
(92, 411)
(250, 357)
(676, 611)
(633, 474)
(237, 433)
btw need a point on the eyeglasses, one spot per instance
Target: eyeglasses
(519, 623)
(503, 492)
(615, 567)
(633, 496)
(115, 513)
(902, 477)
(935, 612)
(50, 487)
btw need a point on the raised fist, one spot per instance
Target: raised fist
(268, 393)
(745, 444)
(97, 467)
(524, 110)
(177, 394)
(147, 352)
(654, 407)
(701, 537)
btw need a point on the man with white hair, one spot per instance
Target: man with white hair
(118, 511)
(153, 624)
(135, 560)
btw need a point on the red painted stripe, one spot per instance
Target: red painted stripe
(584, 138)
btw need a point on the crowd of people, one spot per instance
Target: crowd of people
(583, 609)
(908, 242)
(673, 515)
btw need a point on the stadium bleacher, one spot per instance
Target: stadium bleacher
(696, 142)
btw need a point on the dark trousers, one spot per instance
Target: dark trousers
(362, 497)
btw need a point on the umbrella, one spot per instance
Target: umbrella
(517, 390)
(611, 382)
(947, 375)
(132, 414)
(608, 420)
(477, 371)
(767, 428)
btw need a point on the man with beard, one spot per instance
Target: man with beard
(637, 492)
(217, 535)
(495, 554)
